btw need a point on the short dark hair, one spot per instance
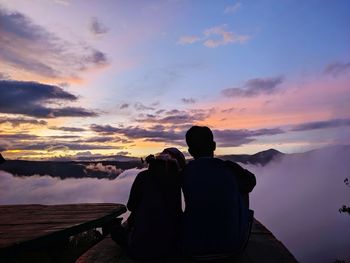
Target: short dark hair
(200, 140)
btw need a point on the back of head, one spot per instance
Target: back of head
(200, 141)
(169, 162)
(177, 155)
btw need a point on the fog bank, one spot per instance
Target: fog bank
(52, 190)
(298, 198)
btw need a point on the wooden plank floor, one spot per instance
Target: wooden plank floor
(27, 223)
(262, 247)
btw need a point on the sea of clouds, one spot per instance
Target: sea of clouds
(52, 190)
(297, 198)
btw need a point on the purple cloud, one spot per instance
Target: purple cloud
(188, 100)
(233, 138)
(32, 98)
(160, 133)
(337, 68)
(255, 87)
(68, 129)
(174, 117)
(19, 120)
(104, 129)
(124, 106)
(41, 52)
(97, 28)
(334, 123)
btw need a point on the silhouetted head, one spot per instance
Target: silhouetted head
(170, 158)
(200, 141)
(177, 155)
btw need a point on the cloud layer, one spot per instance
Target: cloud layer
(333, 123)
(337, 68)
(97, 28)
(159, 133)
(298, 199)
(41, 52)
(30, 98)
(255, 87)
(214, 37)
(52, 190)
(17, 121)
(231, 9)
(232, 138)
(67, 129)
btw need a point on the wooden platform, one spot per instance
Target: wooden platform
(262, 247)
(44, 233)
(25, 224)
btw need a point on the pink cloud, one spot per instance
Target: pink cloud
(314, 100)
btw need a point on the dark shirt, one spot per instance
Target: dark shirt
(214, 206)
(155, 205)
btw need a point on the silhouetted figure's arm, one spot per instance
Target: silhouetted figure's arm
(245, 179)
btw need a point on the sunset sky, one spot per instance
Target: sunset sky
(83, 78)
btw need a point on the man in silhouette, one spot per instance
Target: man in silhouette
(216, 216)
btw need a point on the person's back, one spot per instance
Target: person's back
(216, 218)
(214, 209)
(155, 205)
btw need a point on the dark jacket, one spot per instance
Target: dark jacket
(214, 206)
(155, 205)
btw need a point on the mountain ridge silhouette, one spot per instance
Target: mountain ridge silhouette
(109, 169)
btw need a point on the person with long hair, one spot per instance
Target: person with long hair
(153, 227)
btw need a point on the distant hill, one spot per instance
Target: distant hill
(96, 158)
(69, 169)
(261, 158)
(109, 169)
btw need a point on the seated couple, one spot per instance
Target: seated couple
(215, 223)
